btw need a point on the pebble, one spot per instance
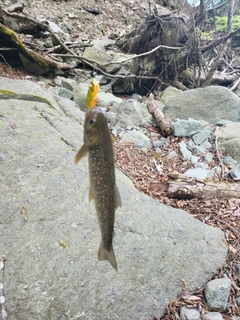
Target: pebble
(237, 268)
(201, 136)
(139, 139)
(184, 128)
(172, 154)
(213, 316)
(184, 151)
(201, 165)
(65, 93)
(199, 173)
(228, 161)
(69, 84)
(208, 157)
(235, 172)
(217, 293)
(206, 144)
(237, 300)
(189, 314)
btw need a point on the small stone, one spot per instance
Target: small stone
(195, 148)
(139, 139)
(189, 314)
(213, 316)
(69, 83)
(184, 151)
(201, 136)
(228, 161)
(48, 43)
(63, 92)
(206, 145)
(235, 172)
(158, 144)
(137, 97)
(217, 292)
(172, 155)
(208, 157)
(199, 150)
(222, 122)
(183, 128)
(237, 268)
(237, 300)
(201, 165)
(194, 159)
(199, 173)
(190, 145)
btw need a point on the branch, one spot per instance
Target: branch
(98, 67)
(215, 43)
(143, 54)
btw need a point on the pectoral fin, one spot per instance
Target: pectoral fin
(81, 153)
(117, 199)
(90, 195)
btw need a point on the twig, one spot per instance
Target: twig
(228, 225)
(142, 54)
(219, 158)
(234, 86)
(4, 59)
(97, 67)
(2, 298)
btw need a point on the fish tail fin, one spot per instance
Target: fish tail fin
(104, 254)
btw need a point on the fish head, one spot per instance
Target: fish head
(95, 124)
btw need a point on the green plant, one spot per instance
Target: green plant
(221, 23)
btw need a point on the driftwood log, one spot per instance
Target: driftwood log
(162, 121)
(191, 188)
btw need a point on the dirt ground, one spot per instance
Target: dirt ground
(87, 20)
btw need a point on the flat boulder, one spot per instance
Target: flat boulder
(211, 104)
(50, 235)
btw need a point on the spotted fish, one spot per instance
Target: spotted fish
(103, 189)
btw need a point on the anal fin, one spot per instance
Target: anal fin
(117, 198)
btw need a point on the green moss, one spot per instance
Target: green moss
(11, 37)
(7, 94)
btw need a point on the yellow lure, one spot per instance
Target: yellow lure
(93, 91)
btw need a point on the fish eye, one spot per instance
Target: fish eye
(92, 121)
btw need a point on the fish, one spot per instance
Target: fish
(98, 146)
(93, 91)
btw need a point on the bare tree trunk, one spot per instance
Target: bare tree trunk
(230, 15)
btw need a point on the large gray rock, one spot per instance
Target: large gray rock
(229, 139)
(102, 57)
(155, 245)
(128, 113)
(169, 93)
(211, 104)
